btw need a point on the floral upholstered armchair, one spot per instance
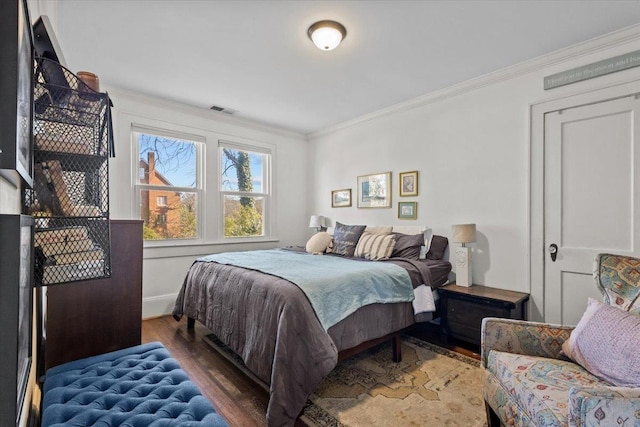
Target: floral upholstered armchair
(529, 380)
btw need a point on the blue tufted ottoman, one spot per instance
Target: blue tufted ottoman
(140, 386)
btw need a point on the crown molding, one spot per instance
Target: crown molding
(597, 44)
(203, 113)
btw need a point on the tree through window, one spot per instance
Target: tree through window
(244, 190)
(168, 186)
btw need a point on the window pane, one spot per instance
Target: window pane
(243, 216)
(175, 219)
(166, 161)
(242, 171)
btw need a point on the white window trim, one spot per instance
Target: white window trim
(266, 193)
(198, 189)
(208, 225)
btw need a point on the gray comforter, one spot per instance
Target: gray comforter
(271, 325)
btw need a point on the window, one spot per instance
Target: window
(244, 190)
(168, 187)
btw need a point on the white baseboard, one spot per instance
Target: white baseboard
(157, 306)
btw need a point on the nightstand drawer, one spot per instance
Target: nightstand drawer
(472, 313)
(463, 309)
(464, 318)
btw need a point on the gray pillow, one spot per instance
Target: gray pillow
(345, 238)
(408, 245)
(438, 246)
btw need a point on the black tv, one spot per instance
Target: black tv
(45, 42)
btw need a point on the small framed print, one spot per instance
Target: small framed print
(407, 210)
(341, 198)
(408, 183)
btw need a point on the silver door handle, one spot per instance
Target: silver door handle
(553, 251)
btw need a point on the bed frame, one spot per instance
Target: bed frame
(394, 337)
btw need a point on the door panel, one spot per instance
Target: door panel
(591, 198)
(577, 288)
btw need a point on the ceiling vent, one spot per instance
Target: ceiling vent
(229, 111)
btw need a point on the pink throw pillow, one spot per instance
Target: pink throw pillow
(605, 343)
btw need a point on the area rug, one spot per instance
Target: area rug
(431, 386)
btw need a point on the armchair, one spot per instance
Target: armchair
(530, 382)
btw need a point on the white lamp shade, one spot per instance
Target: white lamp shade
(327, 35)
(464, 233)
(317, 221)
(326, 38)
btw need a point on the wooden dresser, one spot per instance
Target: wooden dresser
(91, 317)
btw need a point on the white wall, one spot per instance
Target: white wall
(164, 268)
(470, 144)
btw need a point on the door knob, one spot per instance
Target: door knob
(553, 251)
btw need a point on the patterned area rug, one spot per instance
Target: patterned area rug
(432, 386)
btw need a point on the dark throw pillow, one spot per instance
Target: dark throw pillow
(408, 245)
(345, 238)
(438, 246)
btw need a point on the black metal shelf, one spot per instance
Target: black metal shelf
(70, 196)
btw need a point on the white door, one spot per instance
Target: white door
(591, 198)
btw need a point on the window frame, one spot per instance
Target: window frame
(138, 187)
(266, 194)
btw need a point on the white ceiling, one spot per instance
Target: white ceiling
(255, 56)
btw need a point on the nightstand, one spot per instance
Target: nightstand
(463, 308)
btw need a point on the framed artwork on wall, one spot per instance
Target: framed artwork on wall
(341, 198)
(374, 191)
(16, 313)
(407, 210)
(16, 110)
(408, 183)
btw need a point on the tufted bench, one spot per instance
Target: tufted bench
(138, 386)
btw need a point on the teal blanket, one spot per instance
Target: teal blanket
(336, 287)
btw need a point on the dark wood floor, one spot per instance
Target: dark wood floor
(236, 397)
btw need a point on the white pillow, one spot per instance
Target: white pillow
(319, 242)
(605, 343)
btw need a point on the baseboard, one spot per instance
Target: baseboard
(157, 306)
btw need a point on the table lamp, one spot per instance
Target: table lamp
(463, 234)
(318, 222)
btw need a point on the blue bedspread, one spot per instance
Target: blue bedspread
(336, 287)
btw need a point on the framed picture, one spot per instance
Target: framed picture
(374, 191)
(16, 110)
(408, 183)
(16, 275)
(341, 198)
(407, 210)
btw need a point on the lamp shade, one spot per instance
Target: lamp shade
(464, 233)
(317, 221)
(327, 35)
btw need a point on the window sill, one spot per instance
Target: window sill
(182, 249)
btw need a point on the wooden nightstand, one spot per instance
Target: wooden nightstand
(463, 308)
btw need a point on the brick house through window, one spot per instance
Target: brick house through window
(160, 209)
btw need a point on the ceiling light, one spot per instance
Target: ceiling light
(327, 35)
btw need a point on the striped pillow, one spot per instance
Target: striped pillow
(375, 246)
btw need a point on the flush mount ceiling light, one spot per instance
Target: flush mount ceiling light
(327, 35)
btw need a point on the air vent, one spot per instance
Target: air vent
(229, 111)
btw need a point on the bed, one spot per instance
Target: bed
(284, 340)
